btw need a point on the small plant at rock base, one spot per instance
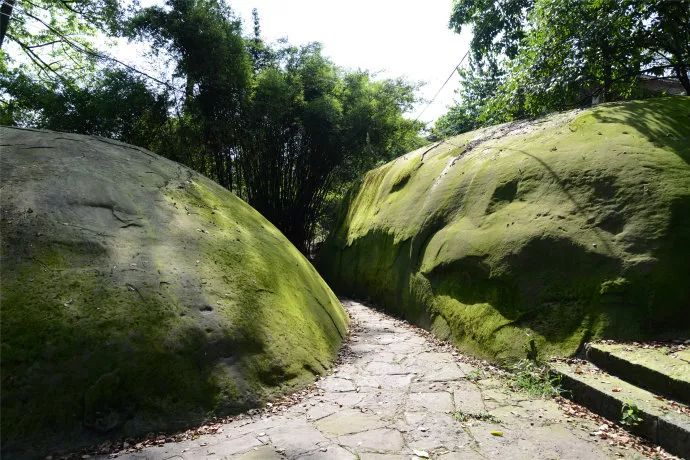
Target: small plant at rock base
(475, 375)
(461, 416)
(535, 379)
(631, 415)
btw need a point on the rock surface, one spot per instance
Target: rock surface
(557, 231)
(138, 295)
(387, 401)
(663, 369)
(660, 420)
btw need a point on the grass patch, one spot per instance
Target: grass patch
(535, 379)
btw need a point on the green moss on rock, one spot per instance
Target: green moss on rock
(138, 296)
(558, 230)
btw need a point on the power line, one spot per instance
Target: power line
(443, 85)
(84, 49)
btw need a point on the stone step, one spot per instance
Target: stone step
(664, 370)
(664, 422)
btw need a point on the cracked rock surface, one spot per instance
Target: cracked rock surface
(397, 395)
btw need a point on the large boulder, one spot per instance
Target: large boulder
(530, 237)
(138, 295)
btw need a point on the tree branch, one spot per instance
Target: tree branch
(41, 45)
(36, 59)
(81, 48)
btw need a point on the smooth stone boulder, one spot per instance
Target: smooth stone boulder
(530, 238)
(138, 295)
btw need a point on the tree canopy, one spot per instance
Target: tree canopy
(87, 108)
(313, 127)
(282, 126)
(56, 35)
(530, 57)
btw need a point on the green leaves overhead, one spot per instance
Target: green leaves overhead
(533, 57)
(54, 35)
(497, 26)
(281, 126)
(311, 129)
(112, 103)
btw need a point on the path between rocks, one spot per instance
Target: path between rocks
(395, 396)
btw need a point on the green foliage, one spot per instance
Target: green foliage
(111, 103)
(535, 379)
(498, 29)
(574, 50)
(497, 26)
(311, 129)
(210, 57)
(281, 126)
(479, 83)
(532, 57)
(56, 36)
(630, 415)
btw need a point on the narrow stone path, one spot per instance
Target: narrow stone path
(398, 395)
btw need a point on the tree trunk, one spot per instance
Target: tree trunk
(5, 15)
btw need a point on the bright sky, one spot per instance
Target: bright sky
(392, 37)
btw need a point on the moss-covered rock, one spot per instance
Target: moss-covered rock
(138, 295)
(560, 230)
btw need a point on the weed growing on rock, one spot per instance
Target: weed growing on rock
(534, 378)
(630, 415)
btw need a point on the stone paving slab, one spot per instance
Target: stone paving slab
(397, 396)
